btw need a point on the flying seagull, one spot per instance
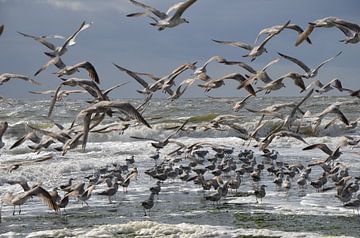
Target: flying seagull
(5, 77)
(254, 51)
(69, 70)
(163, 20)
(309, 73)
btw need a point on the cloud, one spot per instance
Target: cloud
(89, 5)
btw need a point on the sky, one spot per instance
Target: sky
(136, 45)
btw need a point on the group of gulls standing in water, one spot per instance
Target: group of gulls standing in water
(194, 162)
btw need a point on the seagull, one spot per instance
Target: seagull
(164, 20)
(104, 106)
(273, 85)
(333, 108)
(149, 203)
(333, 154)
(40, 39)
(21, 198)
(260, 192)
(61, 137)
(1, 29)
(240, 104)
(32, 136)
(55, 61)
(282, 133)
(111, 191)
(334, 83)
(216, 83)
(297, 78)
(86, 194)
(166, 82)
(254, 51)
(327, 22)
(135, 75)
(352, 37)
(273, 29)
(259, 75)
(5, 77)
(309, 73)
(3, 128)
(69, 70)
(61, 94)
(159, 144)
(200, 72)
(90, 86)
(59, 51)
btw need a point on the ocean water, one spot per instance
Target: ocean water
(180, 210)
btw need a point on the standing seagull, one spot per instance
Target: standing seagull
(111, 191)
(149, 203)
(164, 19)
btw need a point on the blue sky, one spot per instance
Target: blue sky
(134, 44)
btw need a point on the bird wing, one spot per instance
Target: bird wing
(273, 34)
(216, 58)
(340, 115)
(53, 100)
(26, 78)
(20, 141)
(40, 39)
(296, 61)
(129, 110)
(182, 7)
(320, 65)
(90, 69)
(107, 91)
(174, 7)
(133, 74)
(350, 25)
(304, 35)
(42, 92)
(240, 64)
(290, 134)
(299, 30)
(235, 43)
(60, 137)
(322, 147)
(270, 63)
(151, 9)
(71, 40)
(45, 197)
(56, 61)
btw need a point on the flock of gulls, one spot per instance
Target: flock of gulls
(216, 168)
